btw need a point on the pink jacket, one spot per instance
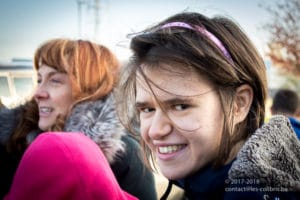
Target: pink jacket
(63, 166)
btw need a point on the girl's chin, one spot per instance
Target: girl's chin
(172, 176)
(171, 173)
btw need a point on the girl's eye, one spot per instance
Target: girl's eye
(180, 107)
(146, 110)
(39, 81)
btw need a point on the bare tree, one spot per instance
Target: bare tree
(284, 30)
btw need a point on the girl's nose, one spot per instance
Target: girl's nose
(160, 125)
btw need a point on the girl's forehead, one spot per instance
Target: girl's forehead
(164, 82)
(171, 68)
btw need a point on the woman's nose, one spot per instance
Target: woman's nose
(160, 126)
(41, 93)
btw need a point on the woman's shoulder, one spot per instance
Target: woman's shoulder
(98, 120)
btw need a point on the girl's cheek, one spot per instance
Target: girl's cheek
(144, 131)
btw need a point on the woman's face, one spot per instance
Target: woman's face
(185, 136)
(53, 95)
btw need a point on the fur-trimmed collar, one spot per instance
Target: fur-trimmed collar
(98, 120)
(271, 155)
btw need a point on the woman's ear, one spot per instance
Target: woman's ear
(242, 102)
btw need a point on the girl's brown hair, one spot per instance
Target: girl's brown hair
(27, 116)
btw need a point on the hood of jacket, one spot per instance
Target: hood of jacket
(65, 166)
(98, 120)
(271, 155)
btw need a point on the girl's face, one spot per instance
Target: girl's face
(53, 95)
(185, 135)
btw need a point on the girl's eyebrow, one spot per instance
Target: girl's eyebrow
(176, 100)
(141, 104)
(172, 101)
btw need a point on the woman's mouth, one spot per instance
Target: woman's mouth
(45, 111)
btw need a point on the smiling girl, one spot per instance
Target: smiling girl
(197, 88)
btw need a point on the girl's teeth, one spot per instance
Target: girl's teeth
(170, 149)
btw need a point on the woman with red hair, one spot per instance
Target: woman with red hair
(75, 79)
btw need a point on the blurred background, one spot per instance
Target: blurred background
(272, 25)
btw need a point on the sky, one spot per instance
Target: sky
(26, 24)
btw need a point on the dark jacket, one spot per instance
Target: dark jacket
(8, 161)
(98, 120)
(267, 167)
(131, 173)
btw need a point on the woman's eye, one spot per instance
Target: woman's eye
(180, 107)
(55, 81)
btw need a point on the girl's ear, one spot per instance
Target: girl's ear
(242, 102)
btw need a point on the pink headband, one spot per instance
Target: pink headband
(205, 32)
